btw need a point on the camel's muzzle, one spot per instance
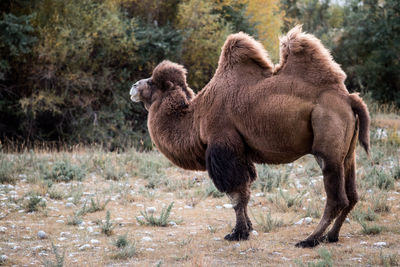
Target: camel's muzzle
(134, 92)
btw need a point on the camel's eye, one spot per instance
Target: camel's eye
(149, 82)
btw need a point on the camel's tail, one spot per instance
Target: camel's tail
(360, 108)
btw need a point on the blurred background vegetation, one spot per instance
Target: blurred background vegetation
(66, 66)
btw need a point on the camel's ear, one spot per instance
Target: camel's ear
(168, 85)
(168, 74)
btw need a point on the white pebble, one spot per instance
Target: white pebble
(147, 238)
(299, 222)
(3, 229)
(228, 206)
(95, 241)
(188, 207)
(62, 238)
(84, 247)
(254, 232)
(90, 229)
(172, 223)
(380, 244)
(218, 207)
(308, 220)
(60, 221)
(236, 245)
(150, 249)
(41, 234)
(70, 205)
(70, 199)
(259, 194)
(363, 242)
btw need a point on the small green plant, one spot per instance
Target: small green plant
(286, 201)
(34, 202)
(7, 173)
(113, 173)
(107, 226)
(95, 205)
(325, 261)
(162, 220)
(121, 241)
(380, 203)
(381, 178)
(269, 178)
(56, 194)
(367, 229)
(124, 253)
(388, 259)
(64, 171)
(58, 258)
(369, 215)
(213, 191)
(267, 223)
(76, 219)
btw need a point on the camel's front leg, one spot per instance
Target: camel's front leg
(232, 173)
(243, 226)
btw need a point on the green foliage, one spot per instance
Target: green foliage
(58, 258)
(270, 178)
(369, 50)
(107, 226)
(16, 41)
(64, 171)
(204, 34)
(162, 220)
(325, 261)
(267, 223)
(122, 241)
(34, 202)
(7, 172)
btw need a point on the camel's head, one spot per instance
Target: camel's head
(167, 76)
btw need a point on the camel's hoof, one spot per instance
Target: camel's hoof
(237, 236)
(329, 239)
(307, 243)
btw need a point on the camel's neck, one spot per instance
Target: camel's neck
(175, 131)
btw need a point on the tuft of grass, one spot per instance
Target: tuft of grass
(269, 178)
(76, 219)
(388, 259)
(367, 229)
(121, 241)
(34, 202)
(56, 194)
(162, 220)
(111, 172)
(325, 261)
(7, 173)
(95, 205)
(286, 201)
(213, 191)
(64, 171)
(124, 253)
(381, 178)
(369, 215)
(380, 203)
(267, 223)
(107, 226)
(58, 258)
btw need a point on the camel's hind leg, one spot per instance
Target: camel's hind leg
(350, 186)
(352, 196)
(329, 145)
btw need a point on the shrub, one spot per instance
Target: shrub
(267, 223)
(162, 220)
(34, 202)
(64, 171)
(107, 226)
(7, 173)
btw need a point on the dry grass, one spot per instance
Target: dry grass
(199, 219)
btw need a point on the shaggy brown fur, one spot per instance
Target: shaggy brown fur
(252, 112)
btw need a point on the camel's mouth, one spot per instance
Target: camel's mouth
(134, 93)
